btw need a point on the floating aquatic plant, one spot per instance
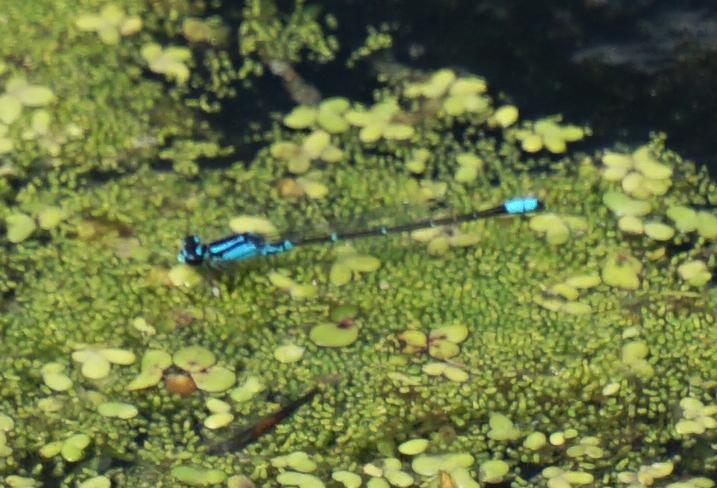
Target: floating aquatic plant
(557, 228)
(110, 23)
(196, 476)
(314, 147)
(696, 417)
(118, 410)
(646, 475)
(440, 343)
(18, 94)
(328, 115)
(469, 166)
(379, 122)
(96, 361)
(72, 448)
(298, 461)
(640, 173)
(504, 116)
(169, 61)
(221, 415)
(547, 133)
(350, 264)
(559, 478)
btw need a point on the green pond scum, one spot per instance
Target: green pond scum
(569, 348)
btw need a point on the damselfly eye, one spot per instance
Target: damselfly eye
(192, 251)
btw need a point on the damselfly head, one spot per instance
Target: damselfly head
(192, 251)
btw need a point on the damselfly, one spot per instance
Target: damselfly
(246, 245)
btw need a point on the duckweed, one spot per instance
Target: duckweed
(697, 417)
(622, 271)
(18, 94)
(298, 157)
(54, 377)
(412, 447)
(110, 23)
(535, 441)
(334, 335)
(169, 61)
(111, 168)
(502, 428)
(72, 449)
(328, 115)
(19, 227)
(493, 471)
(547, 133)
(504, 116)
(195, 476)
(694, 272)
(301, 480)
(288, 353)
(378, 122)
(298, 461)
(347, 478)
(96, 362)
(118, 410)
(558, 478)
(96, 482)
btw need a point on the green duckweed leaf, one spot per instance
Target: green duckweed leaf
(413, 447)
(347, 478)
(621, 271)
(117, 410)
(288, 353)
(300, 117)
(493, 471)
(73, 448)
(193, 358)
(333, 335)
(214, 379)
(218, 420)
(146, 379)
(298, 460)
(10, 109)
(195, 476)
(502, 428)
(535, 441)
(19, 227)
(96, 482)
(340, 274)
(302, 480)
(429, 465)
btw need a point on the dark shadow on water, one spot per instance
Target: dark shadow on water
(623, 68)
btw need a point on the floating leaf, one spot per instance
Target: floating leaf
(193, 358)
(19, 227)
(333, 335)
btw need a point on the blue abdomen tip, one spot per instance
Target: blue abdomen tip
(521, 205)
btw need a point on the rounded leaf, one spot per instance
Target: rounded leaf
(145, 379)
(215, 379)
(34, 95)
(10, 108)
(288, 353)
(413, 446)
(193, 358)
(117, 410)
(218, 420)
(333, 335)
(19, 227)
(300, 117)
(95, 367)
(340, 274)
(57, 381)
(362, 263)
